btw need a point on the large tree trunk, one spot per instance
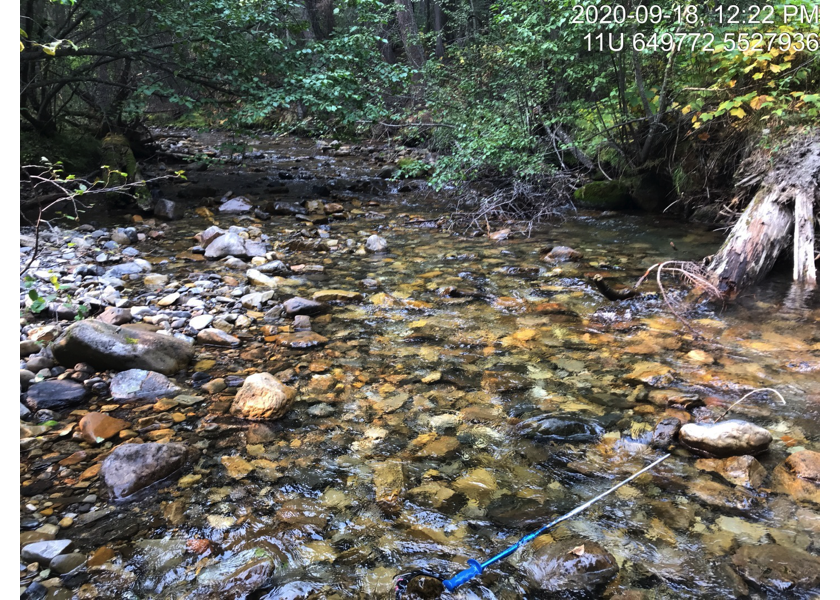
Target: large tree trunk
(408, 32)
(783, 208)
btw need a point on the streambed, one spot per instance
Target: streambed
(418, 437)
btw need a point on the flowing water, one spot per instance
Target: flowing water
(414, 441)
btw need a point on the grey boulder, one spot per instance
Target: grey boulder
(55, 395)
(105, 346)
(229, 244)
(139, 384)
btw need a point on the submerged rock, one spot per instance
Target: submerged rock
(665, 433)
(131, 467)
(105, 346)
(799, 476)
(739, 470)
(562, 254)
(235, 577)
(726, 438)
(561, 428)
(262, 397)
(576, 565)
(301, 339)
(778, 568)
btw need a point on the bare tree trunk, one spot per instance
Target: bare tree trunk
(438, 27)
(409, 34)
(782, 206)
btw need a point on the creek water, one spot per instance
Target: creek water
(415, 439)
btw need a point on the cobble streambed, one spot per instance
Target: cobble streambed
(448, 394)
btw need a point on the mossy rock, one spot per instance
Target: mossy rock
(603, 195)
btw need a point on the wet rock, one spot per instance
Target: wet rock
(217, 337)
(262, 397)
(105, 346)
(666, 432)
(562, 254)
(520, 513)
(130, 268)
(208, 235)
(24, 411)
(726, 438)
(302, 511)
(576, 565)
(43, 552)
(561, 428)
(255, 248)
(778, 568)
(722, 496)
(139, 384)
(97, 427)
(500, 382)
(285, 208)
(36, 363)
(236, 466)
(302, 306)
(477, 484)
(131, 467)
(256, 278)
(169, 210)
(229, 244)
(745, 471)
(301, 339)
(55, 395)
(650, 373)
(799, 476)
(389, 482)
(66, 563)
(115, 316)
(235, 577)
(336, 296)
(236, 206)
(273, 267)
(376, 244)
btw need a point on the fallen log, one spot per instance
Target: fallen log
(781, 215)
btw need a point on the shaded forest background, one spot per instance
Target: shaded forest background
(522, 94)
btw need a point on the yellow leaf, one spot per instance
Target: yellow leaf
(758, 75)
(760, 101)
(775, 68)
(738, 112)
(21, 46)
(750, 68)
(686, 109)
(774, 52)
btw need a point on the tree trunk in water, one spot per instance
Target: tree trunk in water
(782, 207)
(409, 34)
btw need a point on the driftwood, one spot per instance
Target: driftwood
(781, 215)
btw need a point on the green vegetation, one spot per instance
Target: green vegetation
(518, 90)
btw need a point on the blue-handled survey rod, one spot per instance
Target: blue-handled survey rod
(476, 567)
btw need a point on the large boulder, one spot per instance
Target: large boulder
(262, 397)
(105, 346)
(303, 306)
(570, 566)
(131, 467)
(726, 438)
